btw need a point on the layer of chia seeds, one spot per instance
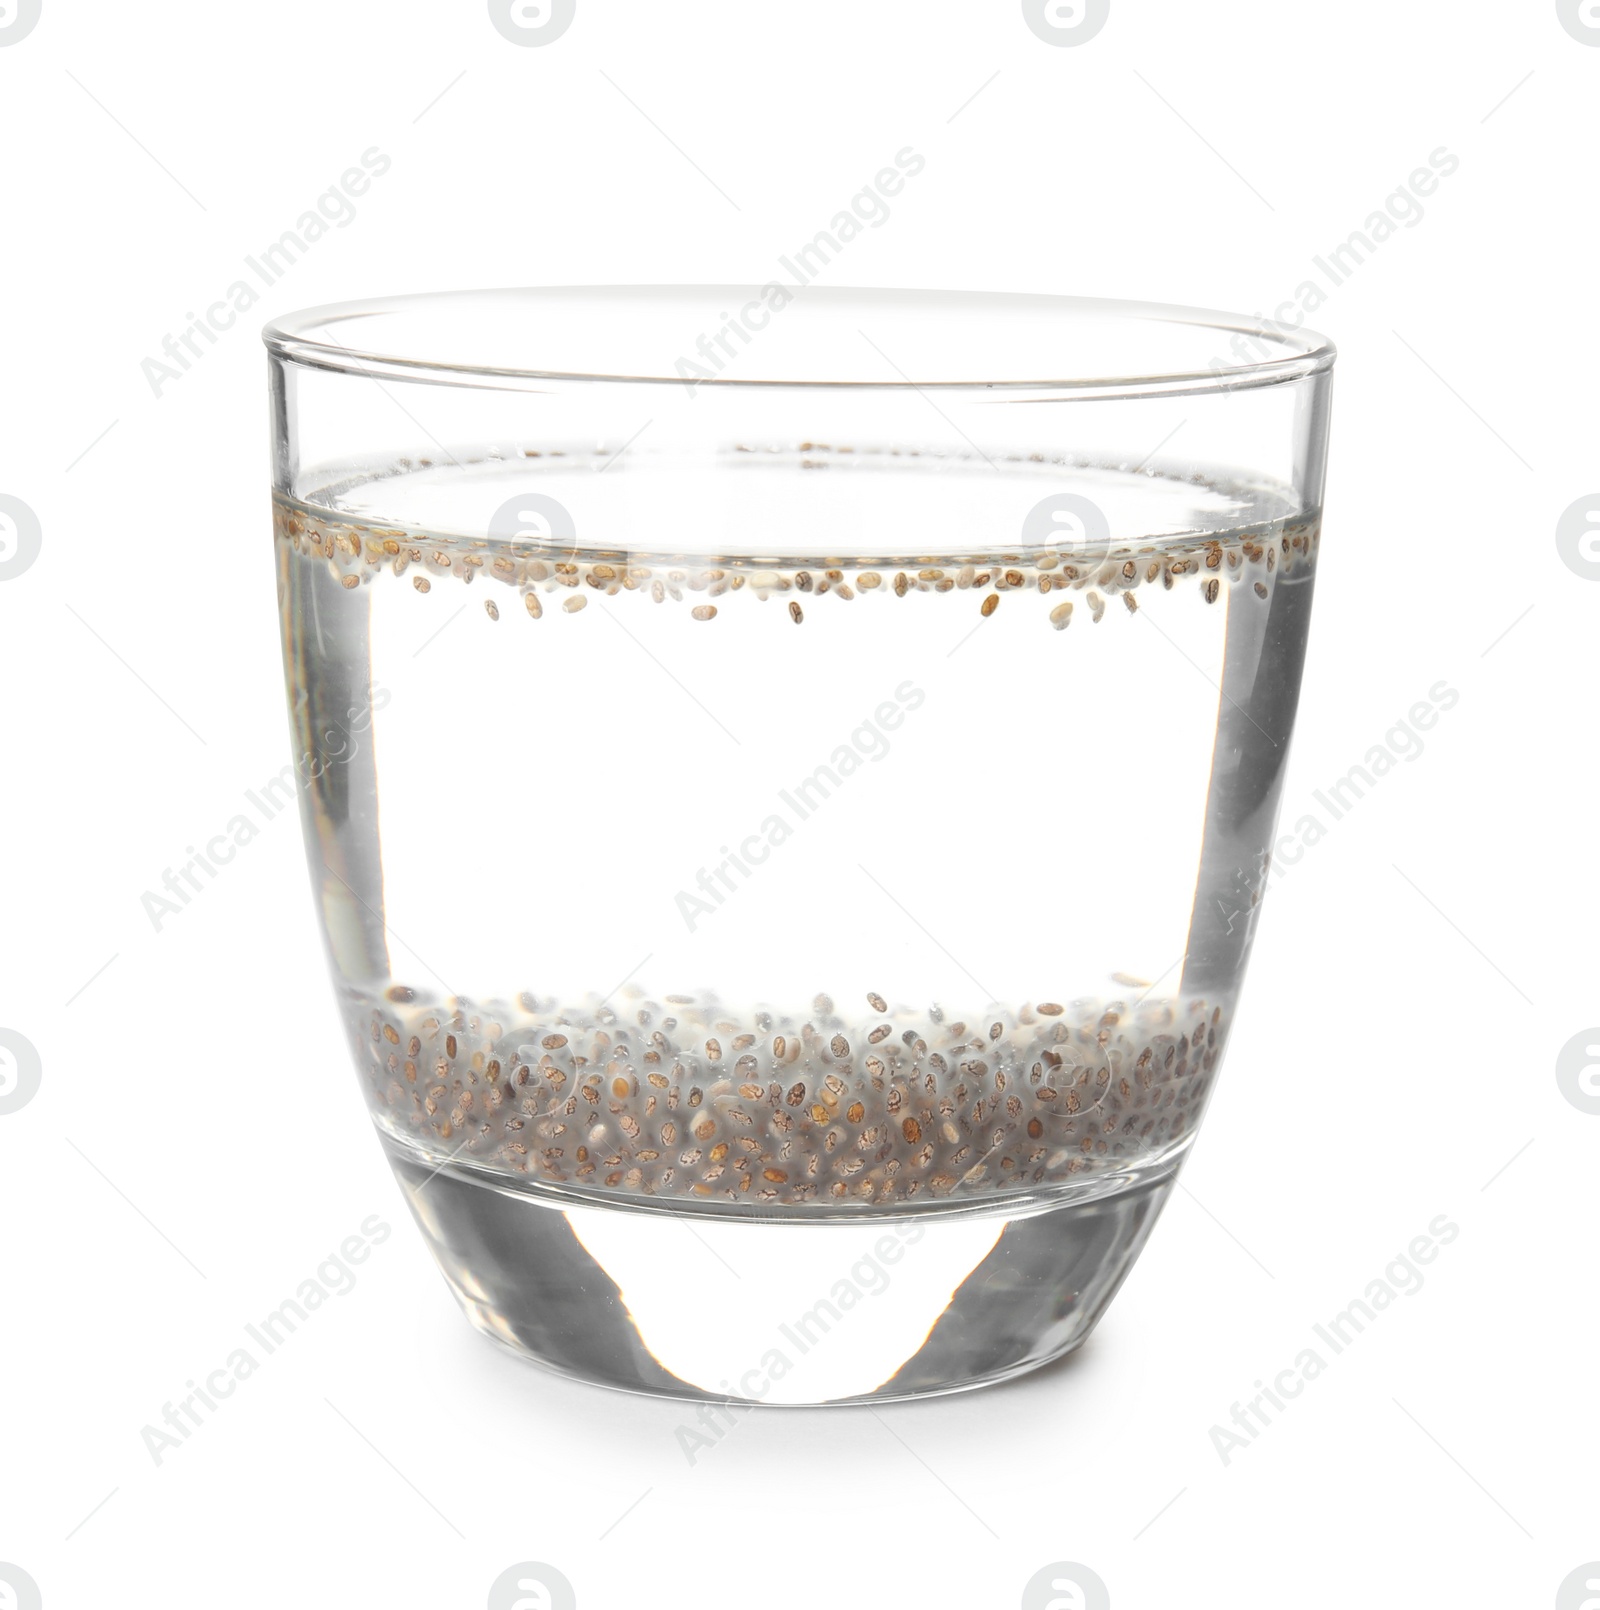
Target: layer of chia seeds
(679, 1097)
(548, 577)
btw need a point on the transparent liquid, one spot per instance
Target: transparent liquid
(785, 885)
(988, 939)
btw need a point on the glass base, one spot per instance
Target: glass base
(691, 1302)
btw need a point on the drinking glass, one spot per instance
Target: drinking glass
(789, 777)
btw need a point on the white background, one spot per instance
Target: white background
(1419, 970)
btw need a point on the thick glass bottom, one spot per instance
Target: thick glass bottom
(793, 1310)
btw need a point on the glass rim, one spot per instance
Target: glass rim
(305, 338)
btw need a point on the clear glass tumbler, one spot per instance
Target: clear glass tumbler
(789, 779)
